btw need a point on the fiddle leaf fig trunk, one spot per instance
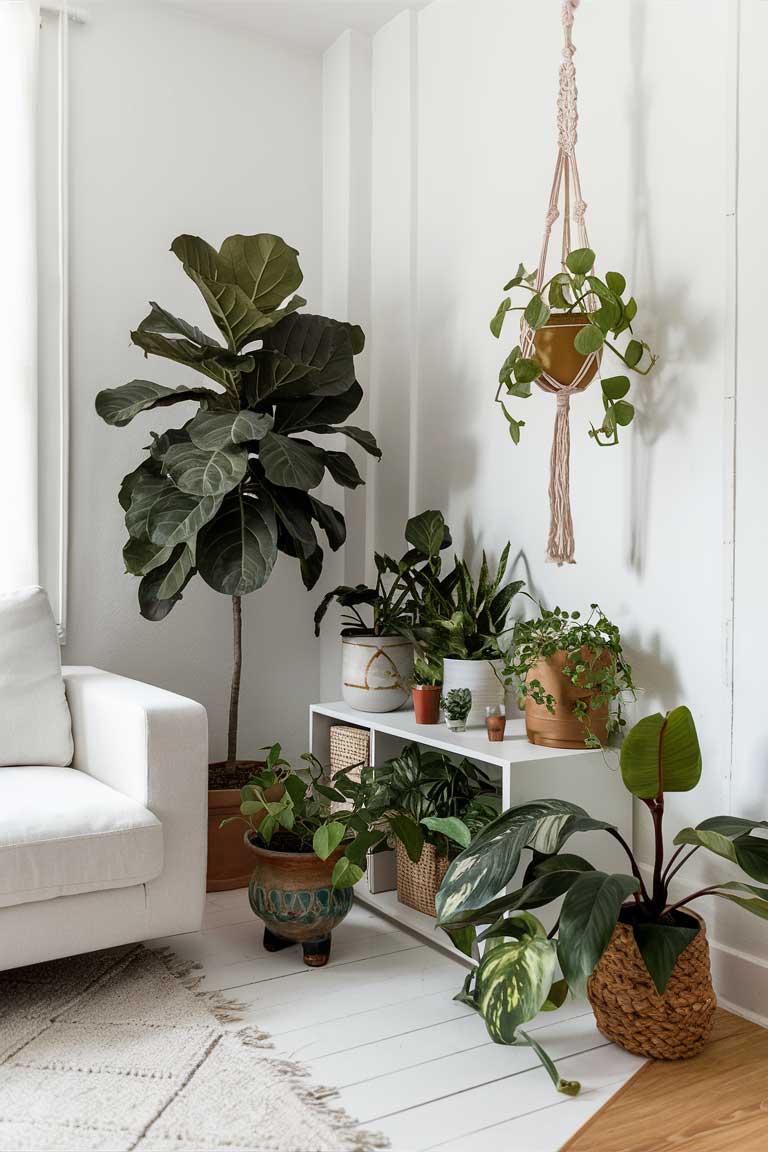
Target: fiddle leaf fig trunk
(237, 665)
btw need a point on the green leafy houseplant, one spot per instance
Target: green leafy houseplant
(456, 704)
(231, 487)
(516, 976)
(427, 670)
(393, 599)
(288, 813)
(577, 291)
(594, 663)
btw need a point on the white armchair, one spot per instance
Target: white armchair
(112, 849)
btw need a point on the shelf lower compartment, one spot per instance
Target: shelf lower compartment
(386, 904)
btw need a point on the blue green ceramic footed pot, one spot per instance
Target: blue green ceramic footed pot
(291, 892)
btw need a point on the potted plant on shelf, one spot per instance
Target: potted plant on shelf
(573, 317)
(465, 622)
(232, 487)
(571, 677)
(640, 953)
(426, 688)
(377, 652)
(457, 704)
(432, 807)
(306, 856)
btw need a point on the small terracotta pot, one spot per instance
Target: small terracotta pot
(554, 350)
(426, 703)
(563, 729)
(229, 861)
(291, 892)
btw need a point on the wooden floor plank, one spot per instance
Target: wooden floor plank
(715, 1102)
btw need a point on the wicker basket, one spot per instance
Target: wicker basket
(417, 884)
(348, 746)
(630, 1011)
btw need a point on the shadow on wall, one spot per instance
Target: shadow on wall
(667, 325)
(651, 666)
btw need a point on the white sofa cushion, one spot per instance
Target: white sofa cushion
(63, 832)
(34, 718)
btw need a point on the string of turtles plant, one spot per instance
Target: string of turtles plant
(576, 289)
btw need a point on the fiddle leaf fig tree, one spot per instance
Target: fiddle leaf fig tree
(235, 484)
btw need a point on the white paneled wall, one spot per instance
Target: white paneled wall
(462, 145)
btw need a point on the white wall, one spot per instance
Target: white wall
(463, 147)
(177, 126)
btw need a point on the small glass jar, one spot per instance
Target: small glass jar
(495, 722)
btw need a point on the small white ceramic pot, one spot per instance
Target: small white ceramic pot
(480, 676)
(376, 672)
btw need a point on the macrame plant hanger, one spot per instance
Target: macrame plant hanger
(560, 545)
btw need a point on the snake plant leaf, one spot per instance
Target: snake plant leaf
(661, 753)
(749, 852)
(588, 917)
(176, 517)
(202, 473)
(427, 532)
(343, 469)
(450, 826)
(141, 556)
(660, 945)
(361, 436)
(221, 430)
(580, 261)
(512, 984)
(306, 415)
(152, 604)
(291, 463)
(327, 838)
(118, 406)
(331, 522)
(146, 490)
(481, 871)
(236, 551)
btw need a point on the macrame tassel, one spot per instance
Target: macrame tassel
(560, 545)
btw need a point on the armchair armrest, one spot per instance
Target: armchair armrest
(153, 746)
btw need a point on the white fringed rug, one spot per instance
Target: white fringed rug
(115, 1050)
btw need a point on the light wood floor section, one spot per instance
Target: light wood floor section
(379, 1024)
(716, 1102)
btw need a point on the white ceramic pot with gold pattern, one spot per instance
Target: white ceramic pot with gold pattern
(376, 672)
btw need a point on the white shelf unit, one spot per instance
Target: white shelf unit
(525, 771)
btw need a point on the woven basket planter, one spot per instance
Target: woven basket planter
(630, 1011)
(417, 884)
(349, 746)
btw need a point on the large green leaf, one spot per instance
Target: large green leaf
(217, 363)
(152, 605)
(331, 522)
(166, 324)
(343, 469)
(179, 572)
(427, 532)
(512, 984)
(237, 550)
(480, 872)
(749, 852)
(450, 826)
(660, 945)
(147, 488)
(294, 511)
(544, 881)
(310, 355)
(263, 266)
(291, 463)
(661, 754)
(756, 902)
(118, 406)
(141, 556)
(730, 826)
(317, 411)
(327, 838)
(176, 517)
(588, 917)
(202, 473)
(220, 430)
(361, 436)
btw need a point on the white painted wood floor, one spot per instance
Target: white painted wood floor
(380, 1025)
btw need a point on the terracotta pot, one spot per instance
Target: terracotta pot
(554, 350)
(629, 1010)
(291, 892)
(426, 703)
(375, 671)
(229, 862)
(563, 729)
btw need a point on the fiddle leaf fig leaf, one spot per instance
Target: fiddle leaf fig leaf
(176, 517)
(152, 604)
(291, 463)
(237, 550)
(214, 431)
(331, 522)
(141, 556)
(343, 469)
(118, 406)
(263, 266)
(661, 754)
(202, 473)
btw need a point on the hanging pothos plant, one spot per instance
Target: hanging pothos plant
(602, 313)
(233, 486)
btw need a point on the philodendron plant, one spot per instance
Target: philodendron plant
(234, 485)
(515, 978)
(576, 290)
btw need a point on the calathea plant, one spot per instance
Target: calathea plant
(516, 976)
(577, 291)
(234, 485)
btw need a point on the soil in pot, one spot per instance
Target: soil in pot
(554, 350)
(561, 729)
(426, 703)
(229, 862)
(290, 890)
(628, 1008)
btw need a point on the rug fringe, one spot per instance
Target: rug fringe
(226, 1009)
